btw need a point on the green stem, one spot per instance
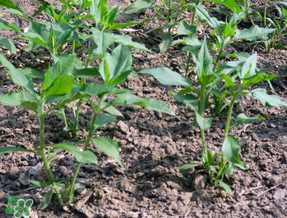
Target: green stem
(75, 127)
(96, 111)
(229, 116)
(217, 62)
(188, 63)
(42, 148)
(42, 154)
(265, 12)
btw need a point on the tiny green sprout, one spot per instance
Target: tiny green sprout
(18, 207)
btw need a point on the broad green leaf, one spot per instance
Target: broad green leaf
(204, 63)
(187, 168)
(100, 89)
(9, 26)
(113, 111)
(12, 149)
(61, 86)
(225, 186)
(116, 66)
(8, 4)
(166, 43)
(138, 6)
(230, 4)
(270, 100)
(166, 76)
(109, 147)
(258, 78)
(231, 151)
(104, 119)
(8, 44)
(203, 14)
(150, 104)
(189, 100)
(249, 67)
(186, 29)
(66, 64)
(12, 100)
(243, 119)
(84, 157)
(104, 40)
(203, 122)
(17, 77)
(254, 33)
(23, 98)
(87, 72)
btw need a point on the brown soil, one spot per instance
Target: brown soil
(153, 146)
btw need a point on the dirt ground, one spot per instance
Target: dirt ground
(153, 146)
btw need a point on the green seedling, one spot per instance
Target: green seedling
(18, 207)
(228, 80)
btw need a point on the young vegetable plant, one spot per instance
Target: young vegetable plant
(235, 80)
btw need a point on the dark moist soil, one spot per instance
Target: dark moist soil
(153, 146)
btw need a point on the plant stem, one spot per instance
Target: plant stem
(42, 148)
(87, 144)
(229, 116)
(42, 154)
(265, 12)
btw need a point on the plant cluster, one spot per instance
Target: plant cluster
(89, 61)
(223, 77)
(90, 58)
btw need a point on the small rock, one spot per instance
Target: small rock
(200, 182)
(24, 179)
(13, 173)
(280, 194)
(64, 170)
(2, 195)
(123, 127)
(36, 170)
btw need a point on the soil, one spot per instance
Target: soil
(153, 146)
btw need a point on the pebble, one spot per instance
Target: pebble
(2, 195)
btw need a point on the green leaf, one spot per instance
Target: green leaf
(108, 147)
(87, 72)
(166, 76)
(254, 33)
(61, 86)
(270, 100)
(189, 100)
(8, 4)
(258, 78)
(187, 168)
(203, 122)
(100, 89)
(166, 42)
(249, 67)
(243, 119)
(225, 186)
(203, 14)
(12, 149)
(17, 77)
(150, 104)
(186, 29)
(8, 44)
(116, 66)
(204, 63)
(231, 151)
(138, 6)
(84, 157)
(24, 99)
(12, 100)
(230, 4)
(104, 119)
